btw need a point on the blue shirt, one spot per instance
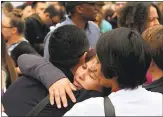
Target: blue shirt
(105, 26)
(92, 32)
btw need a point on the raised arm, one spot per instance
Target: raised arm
(37, 67)
(53, 78)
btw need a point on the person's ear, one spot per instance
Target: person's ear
(79, 9)
(47, 15)
(14, 30)
(82, 58)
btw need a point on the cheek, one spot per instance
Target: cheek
(91, 84)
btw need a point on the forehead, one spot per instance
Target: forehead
(152, 12)
(5, 20)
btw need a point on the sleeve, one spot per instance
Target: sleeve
(46, 45)
(37, 67)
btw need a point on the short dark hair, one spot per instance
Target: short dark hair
(66, 45)
(134, 15)
(124, 54)
(154, 37)
(53, 11)
(23, 6)
(34, 4)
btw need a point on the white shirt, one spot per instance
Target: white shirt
(137, 102)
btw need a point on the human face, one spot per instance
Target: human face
(152, 17)
(6, 28)
(88, 76)
(27, 12)
(40, 8)
(89, 11)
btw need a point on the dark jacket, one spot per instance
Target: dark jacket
(22, 48)
(155, 86)
(35, 29)
(35, 32)
(26, 92)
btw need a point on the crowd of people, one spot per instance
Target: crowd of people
(82, 58)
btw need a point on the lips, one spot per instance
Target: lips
(77, 84)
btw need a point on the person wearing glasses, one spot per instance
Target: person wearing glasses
(13, 32)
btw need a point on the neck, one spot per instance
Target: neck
(156, 73)
(79, 21)
(14, 39)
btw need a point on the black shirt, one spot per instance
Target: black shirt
(155, 86)
(22, 48)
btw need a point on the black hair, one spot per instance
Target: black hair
(53, 11)
(66, 45)
(134, 15)
(70, 9)
(124, 54)
(23, 6)
(34, 3)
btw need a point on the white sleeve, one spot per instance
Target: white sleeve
(89, 107)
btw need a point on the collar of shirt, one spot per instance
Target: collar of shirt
(14, 45)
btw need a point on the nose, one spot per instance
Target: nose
(82, 75)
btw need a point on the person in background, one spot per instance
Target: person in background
(80, 14)
(118, 51)
(154, 37)
(39, 7)
(101, 22)
(13, 32)
(109, 10)
(7, 7)
(9, 75)
(37, 27)
(59, 15)
(139, 16)
(26, 10)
